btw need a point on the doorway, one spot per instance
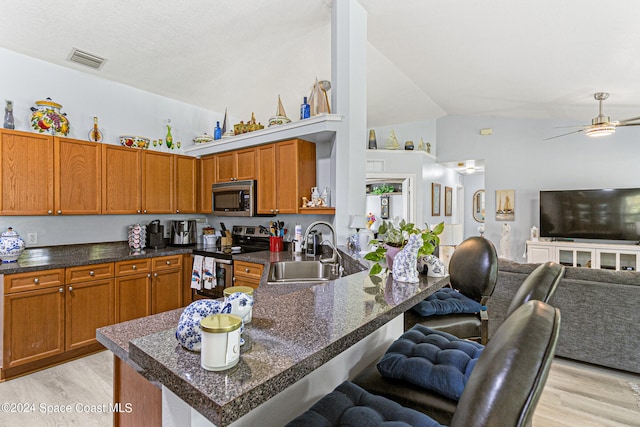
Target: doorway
(397, 189)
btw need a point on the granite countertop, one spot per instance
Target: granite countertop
(50, 257)
(292, 334)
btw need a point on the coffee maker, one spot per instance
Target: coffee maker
(155, 235)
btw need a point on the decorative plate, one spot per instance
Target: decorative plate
(134, 141)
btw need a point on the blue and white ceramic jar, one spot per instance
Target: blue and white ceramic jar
(11, 246)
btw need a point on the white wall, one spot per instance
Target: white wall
(121, 110)
(517, 157)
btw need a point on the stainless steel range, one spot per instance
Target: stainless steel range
(245, 238)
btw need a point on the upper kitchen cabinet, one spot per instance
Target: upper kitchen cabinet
(26, 173)
(121, 172)
(207, 174)
(77, 177)
(236, 165)
(286, 173)
(186, 191)
(158, 183)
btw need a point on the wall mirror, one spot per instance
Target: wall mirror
(478, 206)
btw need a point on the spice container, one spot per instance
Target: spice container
(220, 348)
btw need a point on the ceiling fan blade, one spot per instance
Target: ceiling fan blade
(564, 134)
(568, 127)
(629, 124)
(624, 122)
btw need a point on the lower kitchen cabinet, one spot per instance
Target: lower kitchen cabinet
(89, 306)
(148, 286)
(247, 274)
(33, 326)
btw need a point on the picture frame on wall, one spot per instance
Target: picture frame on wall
(448, 201)
(505, 205)
(435, 199)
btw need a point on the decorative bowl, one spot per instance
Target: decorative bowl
(202, 138)
(134, 141)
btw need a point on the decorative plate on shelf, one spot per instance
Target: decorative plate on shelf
(202, 138)
(134, 141)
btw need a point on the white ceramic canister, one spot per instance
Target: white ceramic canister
(220, 348)
(248, 290)
(11, 246)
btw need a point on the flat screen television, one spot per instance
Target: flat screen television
(609, 214)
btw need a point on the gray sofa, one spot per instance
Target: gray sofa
(600, 312)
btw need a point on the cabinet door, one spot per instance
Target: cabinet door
(133, 297)
(166, 293)
(89, 306)
(266, 185)
(33, 326)
(296, 173)
(26, 173)
(246, 163)
(157, 183)
(186, 184)
(121, 172)
(77, 166)
(226, 166)
(207, 178)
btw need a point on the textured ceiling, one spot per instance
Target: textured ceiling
(426, 58)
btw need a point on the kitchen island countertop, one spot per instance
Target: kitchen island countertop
(291, 335)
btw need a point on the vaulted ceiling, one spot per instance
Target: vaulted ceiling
(426, 58)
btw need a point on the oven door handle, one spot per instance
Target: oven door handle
(219, 260)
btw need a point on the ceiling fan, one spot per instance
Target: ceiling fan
(602, 125)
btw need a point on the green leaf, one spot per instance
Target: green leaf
(374, 256)
(438, 229)
(375, 269)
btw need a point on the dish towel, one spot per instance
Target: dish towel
(196, 273)
(208, 273)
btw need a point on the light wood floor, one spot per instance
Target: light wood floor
(576, 395)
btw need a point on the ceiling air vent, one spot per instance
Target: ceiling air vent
(86, 58)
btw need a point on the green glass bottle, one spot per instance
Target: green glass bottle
(169, 138)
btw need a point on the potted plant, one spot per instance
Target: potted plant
(393, 237)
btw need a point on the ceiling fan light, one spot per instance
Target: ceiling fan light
(600, 131)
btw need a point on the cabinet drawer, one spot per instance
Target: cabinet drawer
(88, 273)
(133, 266)
(244, 281)
(167, 262)
(33, 280)
(248, 270)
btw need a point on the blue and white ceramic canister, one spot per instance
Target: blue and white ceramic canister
(11, 246)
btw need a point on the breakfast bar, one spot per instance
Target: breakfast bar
(300, 344)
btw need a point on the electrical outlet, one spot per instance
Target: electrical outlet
(32, 238)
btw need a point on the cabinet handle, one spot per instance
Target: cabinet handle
(134, 267)
(168, 262)
(36, 281)
(177, 210)
(277, 210)
(49, 212)
(61, 290)
(271, 210)
(148, 274)
(247, 270)
(70, 288)
(155, 274)
(139, 211)
(59, 212)
(92, 273)
(233, 280)
(145, 211)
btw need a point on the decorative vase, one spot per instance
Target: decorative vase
(392, 251)
(365, 235)
(408, 145)
(373, 144)
(11, 246)
(169, 137)
(47, 118)
(9, 122)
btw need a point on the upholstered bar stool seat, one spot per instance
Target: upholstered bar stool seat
(503, 389)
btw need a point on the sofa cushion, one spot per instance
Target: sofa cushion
(446, 301)
(431, 359)
(350, 405)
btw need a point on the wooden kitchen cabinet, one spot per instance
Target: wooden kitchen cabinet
(26, 173)
(34, 316)
(207, 177)
(148, 286)
(121, 174)
(77, 177)
(286, 173)
(247, 273)
(158, 183)
(236, 165)
(186, 184)
(89, 303)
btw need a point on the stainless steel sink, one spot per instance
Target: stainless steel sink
(302, 271)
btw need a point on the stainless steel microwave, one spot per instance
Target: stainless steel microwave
(235, 198)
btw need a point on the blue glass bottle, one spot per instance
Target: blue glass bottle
(305, 110)
(217, 131)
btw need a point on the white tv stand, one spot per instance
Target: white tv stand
(577, 254)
